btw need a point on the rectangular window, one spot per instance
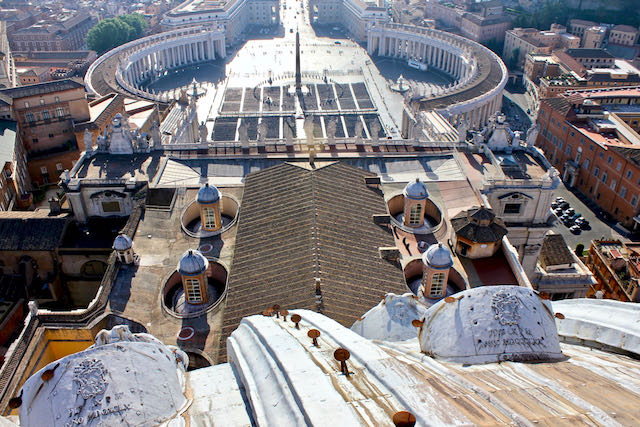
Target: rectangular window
(209, 218)
(60, 112)
(58, 167)
(110, 207)
(609, 160)
(437, 285)
(43, 169)
(194, 294)
(26, 104)
(604, 178)
(29, 117)
(512, 208)
(415, 215)
(45, 115)
(586, 164)
(56, 98)
(613, 184)
(619, 166)
(568, 150)
(42, 102)
(629, 174)
(623, 192)
(634, 200)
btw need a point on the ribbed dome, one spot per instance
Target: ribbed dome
(438, 256)
(122, 242)
(192, 263)
(208, 194)
(416, 190)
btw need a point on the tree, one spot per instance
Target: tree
(113, 32)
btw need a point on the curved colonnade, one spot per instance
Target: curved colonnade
(480, 75)
(151, 57)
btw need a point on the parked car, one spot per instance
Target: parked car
(563, 204)
(570, 211)
(557, 211)
(554, 205)
(585, 225)
(568, 222)
(575, 229)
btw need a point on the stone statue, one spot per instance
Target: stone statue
(142, 142)
(288, 134)
(87, 138)
(331, 131)
(532, 134)
(374, 130)
(462, 128)
(478, 139)
(358, 131)
(156, 138)
(262, 131)
(202, 131)
(103, 142)
(243, 133)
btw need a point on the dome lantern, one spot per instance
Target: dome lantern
(437, 261)
(209, 200)
(193, 269)
(415, 202)
(123, 245)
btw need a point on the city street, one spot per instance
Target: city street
(599, 229)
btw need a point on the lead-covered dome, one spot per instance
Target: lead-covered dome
(416, 190)
(122, 242)
(208, 194)
(438, 256)
(192, 263)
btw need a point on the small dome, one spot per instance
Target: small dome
(192, 263)
(122, 242)
(438, 256)
(208, 194)
(416, 190)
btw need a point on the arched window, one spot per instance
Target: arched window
(209, 218)
(437, 284)
(415, 214)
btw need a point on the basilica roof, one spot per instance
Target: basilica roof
(306, 239)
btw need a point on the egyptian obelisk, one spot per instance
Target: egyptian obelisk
(298, 76)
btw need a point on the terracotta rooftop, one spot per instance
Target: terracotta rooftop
(305, 232)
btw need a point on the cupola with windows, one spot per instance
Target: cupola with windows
(437, 261)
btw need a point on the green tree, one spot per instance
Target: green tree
(113, 32)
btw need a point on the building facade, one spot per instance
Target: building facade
(625, 35)
(56, 33)
(596, 147)
(45, 113)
